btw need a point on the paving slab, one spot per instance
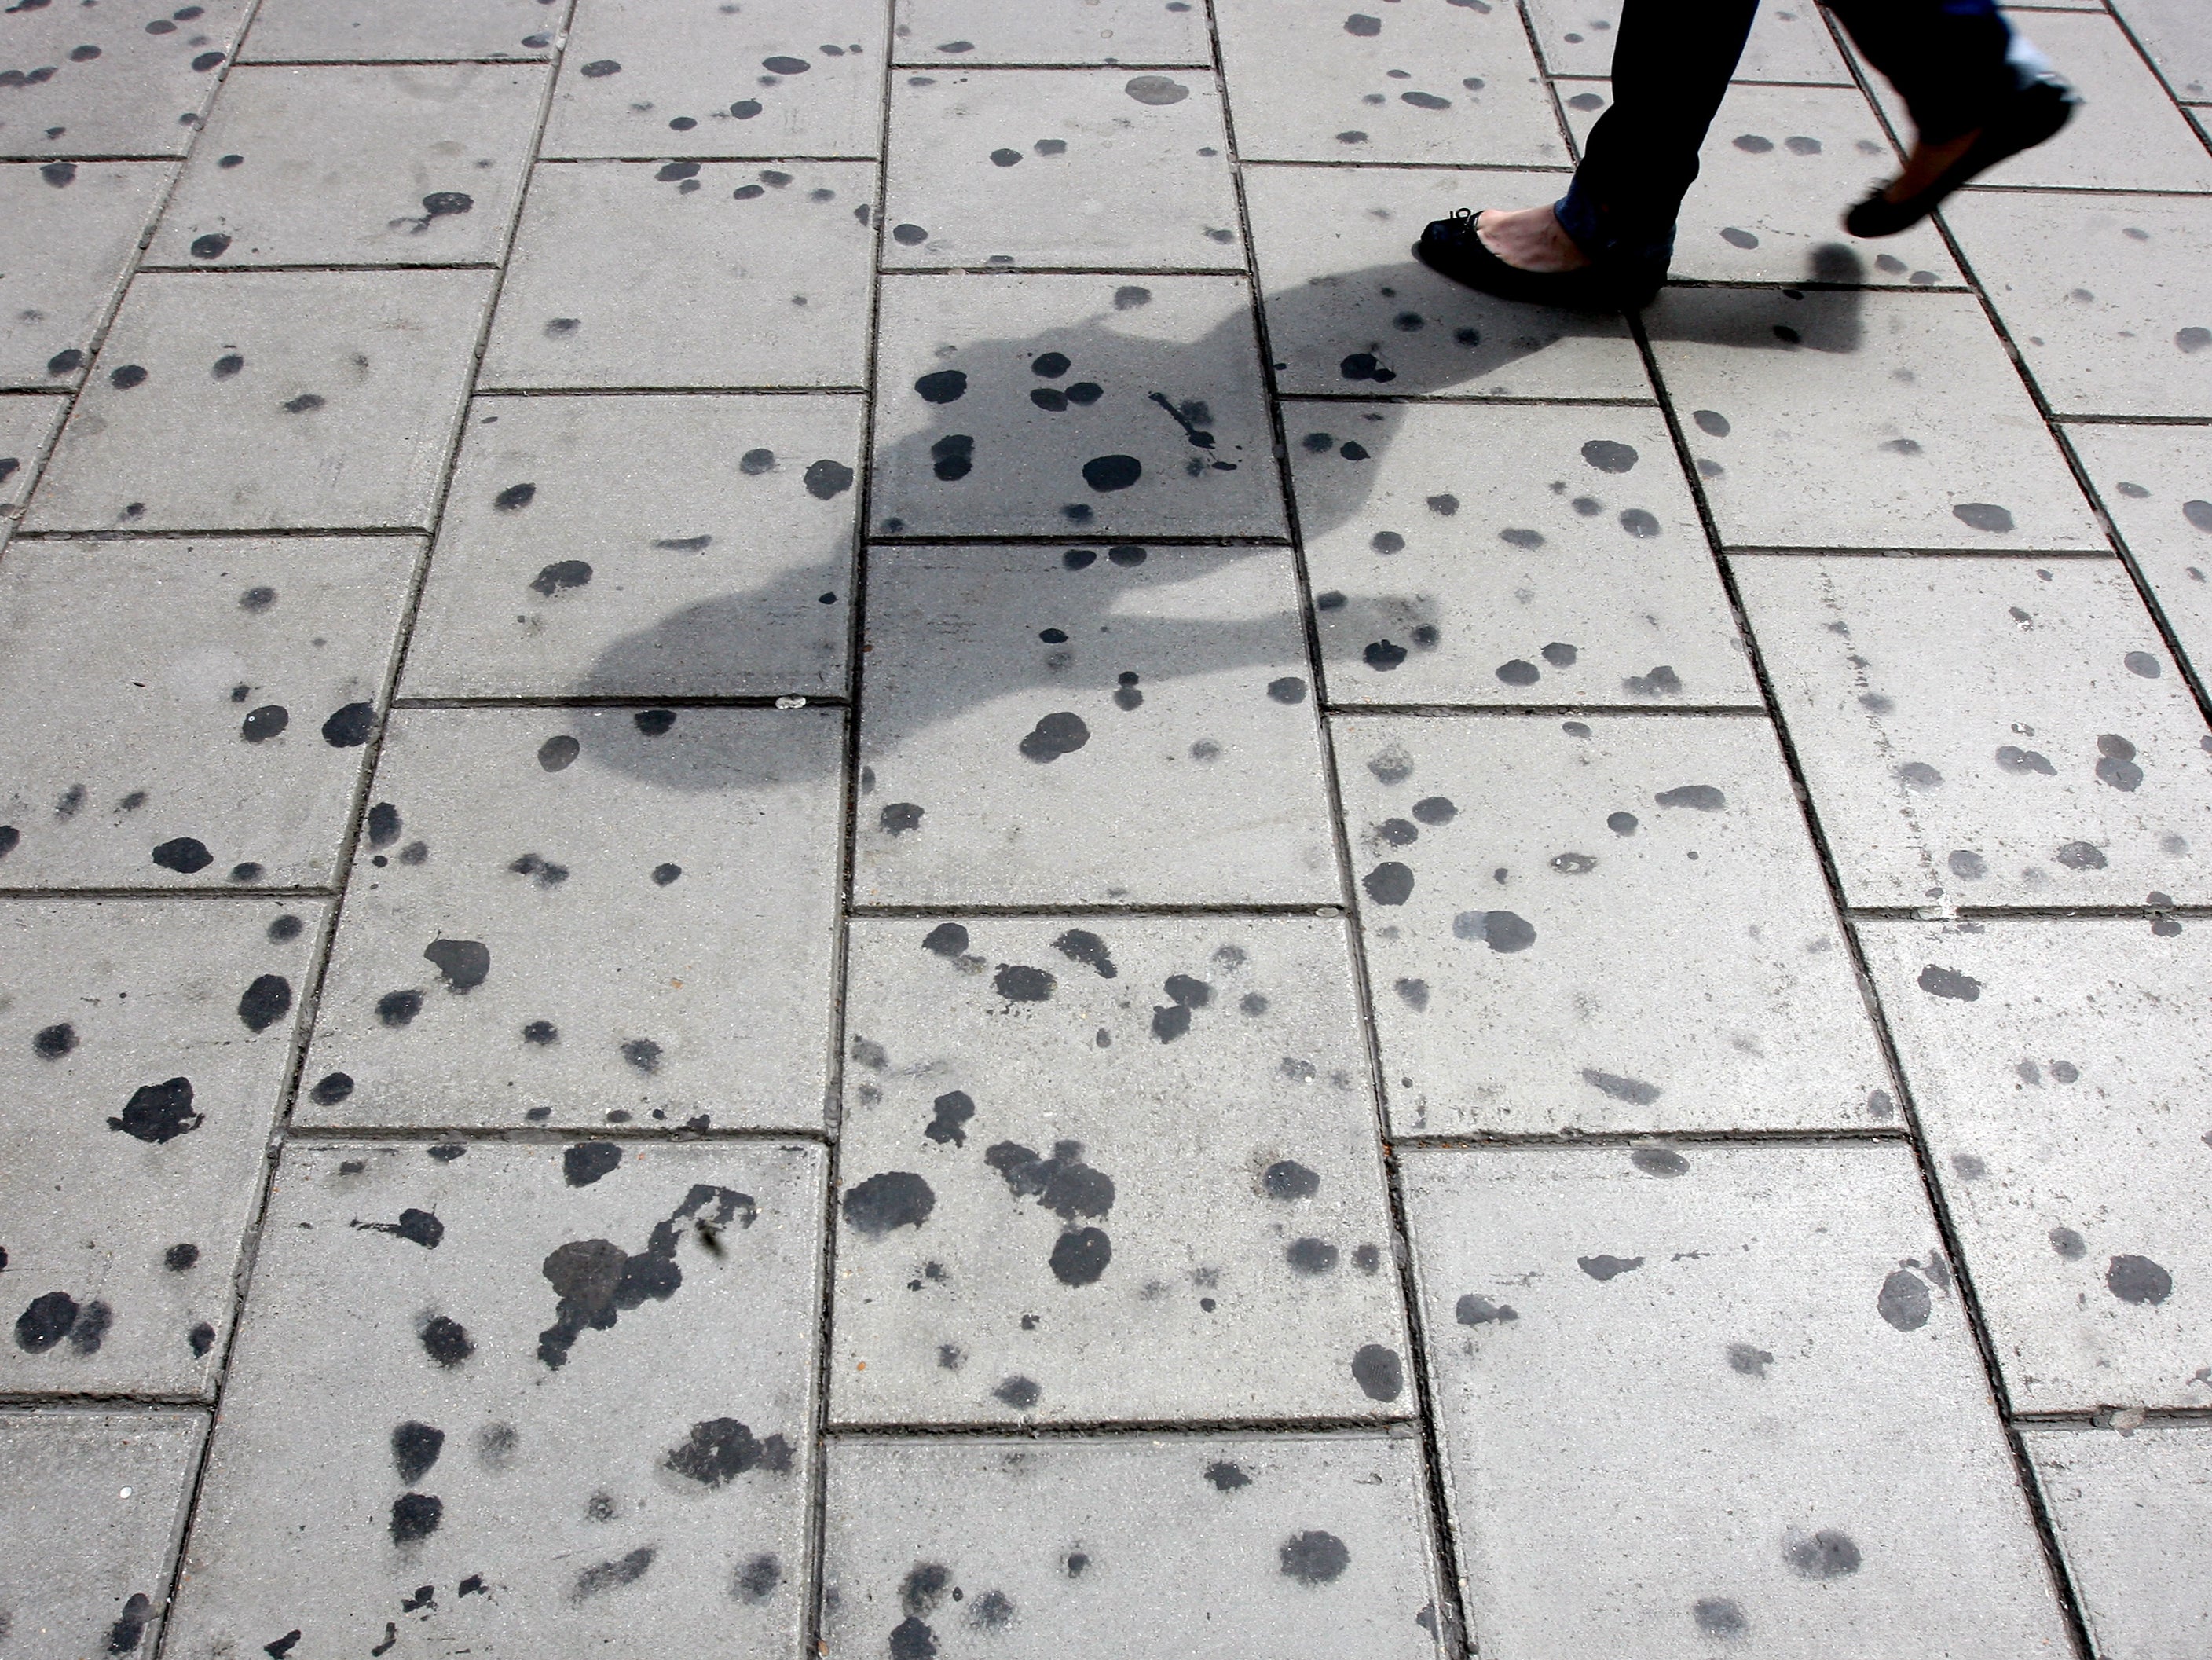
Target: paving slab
(189, 713)
(2122, 331)
(145, 1044)
(478, 1491)
(684, 275)
(1805, 1458)
(1287, 1544)
(269, 400)
(89, 1503)
(110, 81)
(2126, 1507)
(1230, 1264)
(585, 917)
(1056, 405)
(2059, 1069)
(1513, 870)
(1048, 726)
(2177, 34)
(341, 165)
(1429, 81)
(606, 547)
(1086, 167)
(1986, 732)
(1861, 420)
(372, 31)
(1158, 32)
(2156, 484)
(1465, 555)
(701, 77)
(28, 426)
(1789, 43)
(71, 230)
(1781, 167)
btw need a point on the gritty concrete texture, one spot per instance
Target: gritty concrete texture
(110, 81)
(607, 547)
(1986, 732)
(1158, 32)
(189, 713)
(2176, 36)
(606, 937)
(89, 1574)
(2063, 1106)
(1034, 1226)
(498, 1301)
(372, 30)
(2127, 1508)
(1283, 1545)
(2156, 484)
(1808, 1458)
(72, 230)
(1790, 42)
(28, 426)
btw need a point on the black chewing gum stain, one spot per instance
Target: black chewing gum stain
(265, 1002)
(949, 1126)
(415, 1515)
(889, 1200)
(721, 1449)
(586, 1161)
(462, 963)
(595, 1281)
(159, 1112)
(602, 1577)
(1314, 1558)
(415, 1448)
(1081, 945)
(418, 1227)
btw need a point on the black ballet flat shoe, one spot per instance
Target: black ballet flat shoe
(2034, 114)
(1451, 248)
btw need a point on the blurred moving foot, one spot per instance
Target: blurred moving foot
(2030, 116)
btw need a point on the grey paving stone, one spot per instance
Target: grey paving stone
(1088, 168)
(144, 1046)
(2059, 1069)
(550, 1453)
(189, 713)
(1434, 583)
(1348, 308)
(1232, 1262)
(1428, 80)
(2128, 1509)
(1522, 877)
(2119, 327)
(269, 400)
(1283, 1545)
(628, 275)
(1781, 167)
(1985, 731)
(2177, 36)
(2156, 484)
(1788, 42)
(70, 231)
(343, 165)
(89, 1502)
(587, 917)
(86, 82)
(371, 31)
(1805, 1460)
(606, 547)
(28, 426)
(699, 77)
(1048, 726)
(964, 32)
(1054, 405)
(1861, 420)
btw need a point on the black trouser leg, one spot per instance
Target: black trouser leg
(1948, 60)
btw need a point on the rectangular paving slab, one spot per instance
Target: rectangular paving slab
(1286, 1544)
(2127, 1509)
(585, 917)
(1788, 42)
(73, 229)
(1451, 564)
(1986, 732)
(606, 547)
(2176, 36)
(701, 77)
(1350, 311)
(1045, 726)
(28, 426)
(368, 31)
(344, 165)
(105, 81)
(497, 1303)
(189, 713)
(144, 1048)
(89, 1506)
(1233, 1263)
(720, 275)
(2060, 1069)
(1088, 168)
(966, 32)
(1056, 405)
(269, 400)
(1515, 873)
(2119, 327)
(1852, 419)
(2156, 484)
(1805, 1458)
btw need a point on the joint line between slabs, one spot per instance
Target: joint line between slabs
(1120, 1429)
